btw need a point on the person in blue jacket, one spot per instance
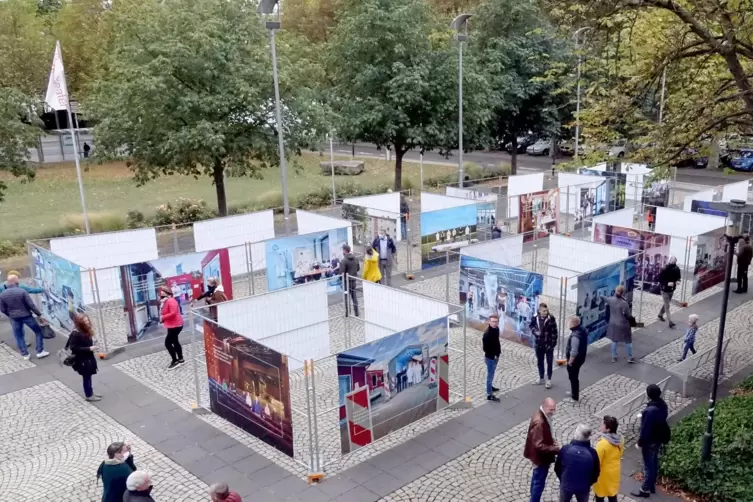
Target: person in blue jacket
(654, 433)
(29, 289)
(577, 466)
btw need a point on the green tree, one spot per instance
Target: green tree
(394, 71)
(17, 135)
(25, 48)
(526, 63)
(189, 91)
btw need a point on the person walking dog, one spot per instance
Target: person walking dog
(81, 345)
(173, 321)
(618, 328)
(544, 329)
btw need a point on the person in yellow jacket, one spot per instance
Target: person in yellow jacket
(609, 448)
(371, 266)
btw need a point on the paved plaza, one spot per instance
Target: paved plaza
(53, 440)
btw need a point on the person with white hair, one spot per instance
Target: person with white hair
(221, 492)
(688, 342)
(669, 276)
(577, 466)
(138, 487)
(16, 304)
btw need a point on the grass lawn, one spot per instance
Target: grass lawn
(42, 207)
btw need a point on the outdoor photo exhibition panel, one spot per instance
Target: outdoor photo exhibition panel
(309, 223)
(684, 228)
(447, 225)
(233, 232)
(373, 213)
(486, 205)
(620, 218)
(63, 290)
(539, 214)
(582, 196)
(721, 193)
(520, 185)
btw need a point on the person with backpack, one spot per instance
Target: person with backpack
(655, 433)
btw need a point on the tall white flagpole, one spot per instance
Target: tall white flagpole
(57, 98)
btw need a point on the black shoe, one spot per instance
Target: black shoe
(180, 361)
(494, 389)
(660, 317)
(672, 325)
(738, 292)
(492, 397)
(173, 365)
(640, 494)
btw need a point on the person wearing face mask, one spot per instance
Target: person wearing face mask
(173, 321)
(544, 329)
(138, 487)
(114, 471)
(385, 248)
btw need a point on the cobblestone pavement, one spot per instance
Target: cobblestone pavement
(496, 470)
(11, 361)
(53, 442)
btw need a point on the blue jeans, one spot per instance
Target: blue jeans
(549, 356)
(686, 348)
(17, 325)
(628, 346)
(404, 227)
(88, 390)
(538, 481)
(491, 367)
(650, 467)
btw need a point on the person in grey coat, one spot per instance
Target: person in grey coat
(618, 329)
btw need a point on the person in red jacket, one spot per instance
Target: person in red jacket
(220, 492)
(172, 319)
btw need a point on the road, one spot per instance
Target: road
(528, 164)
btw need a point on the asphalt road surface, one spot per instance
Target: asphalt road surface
(528, 164)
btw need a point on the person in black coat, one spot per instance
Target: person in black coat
(81, 345)
(544, 329)
(114, 471)
(654, 433)
(669, 276)
(492, 351)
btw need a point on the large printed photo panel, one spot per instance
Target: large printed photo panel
(249, 386)
(446, 230)
(711, 255)
(392, 382)
(61, 281)
(595, 287)
(488, 288)
(539, 214)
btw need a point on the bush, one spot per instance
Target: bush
(182, 211)
(728, 476)
(746, 385)
(10, 248)
(98, 222)
(136, 219)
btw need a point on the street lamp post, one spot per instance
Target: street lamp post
(460, 25)
(735, 210)
(576, 36)
(267, 7)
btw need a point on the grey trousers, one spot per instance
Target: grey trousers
(667, 298)
(385, 268)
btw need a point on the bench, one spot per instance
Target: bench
(683, 369)
(630, 404)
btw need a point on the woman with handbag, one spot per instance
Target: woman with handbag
(82, 348)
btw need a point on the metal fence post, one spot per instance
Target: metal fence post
(560, 335)
(95, 294)
(447, 277)
(194, 362)
(313, 408)
(535, 257)
(688, 244)
(308, 414)
(567, 211)
(643, 278)
(176, 249)
(465, 356)
(250, 256)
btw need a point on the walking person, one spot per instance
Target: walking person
(404, 217)
(492, 351)
(221, 492)
(744, 257)
(114, 471)
(173, 321)
(668, 278)
(371, 271)
(609, 449)
(577, 466)
(688, 341)
(349, 268)
(575, 354)
(654, 433)
(544, 329)
(81, 345)
(618, 328)
(138, 487)
(16, 304)
(87, 149)
(541, 448)
(385, 247)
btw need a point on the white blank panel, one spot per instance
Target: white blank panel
(634, 187)
(525, 183)
(108, 281)
(309, 223)
(735, 191)
(111, 249)
(581, 256)
(389, 202)
(621, 218)
(392, 310)
(683, 224)
(570, 185)
(233, 232)
(684, 249)
(505, 251)
(553, 281)
(433, 202)
(294, 319)
(465, 193)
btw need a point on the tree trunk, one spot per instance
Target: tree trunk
(399, 168)
(714, 152)
(514, 155)
(218, 177)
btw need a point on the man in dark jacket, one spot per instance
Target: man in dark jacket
(138, 487)
(577, 466)
(16, 303)
(575, 353)
(541, 448)
(744, 257)
(349, 267)
(654, 433)
(492, 351)
(668, 278)
(544, 329)
(385, 247)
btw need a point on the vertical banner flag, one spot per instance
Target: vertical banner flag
(57, 89)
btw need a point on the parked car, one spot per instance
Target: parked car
(540, 147)
(741, 160)
(567, 148)
(618, 149)
(523, 143)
